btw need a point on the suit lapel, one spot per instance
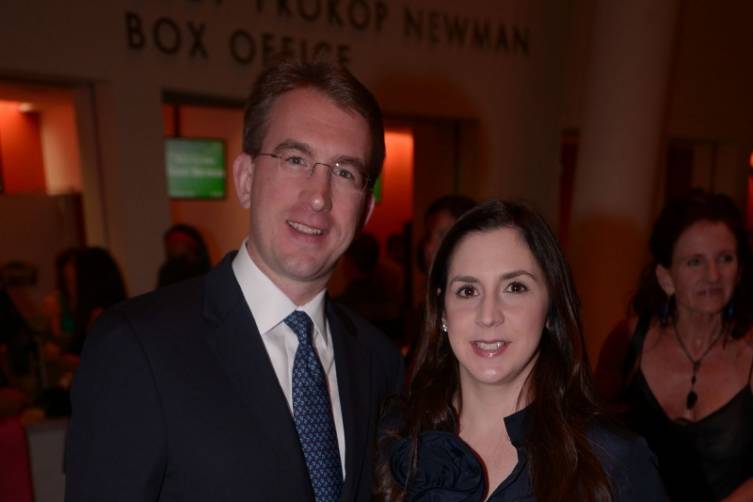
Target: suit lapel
(353, 370)
(237, 345)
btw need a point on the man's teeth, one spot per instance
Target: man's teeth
(305, 229)
(490, 346)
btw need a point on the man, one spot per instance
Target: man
(249, 384)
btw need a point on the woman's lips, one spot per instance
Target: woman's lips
(712, 291)
(489, 349)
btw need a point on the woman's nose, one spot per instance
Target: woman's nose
(489, 312)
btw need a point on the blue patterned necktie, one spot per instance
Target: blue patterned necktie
(312, 413)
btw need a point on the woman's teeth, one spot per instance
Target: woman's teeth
(489, 346)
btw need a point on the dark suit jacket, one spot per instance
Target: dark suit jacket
(176, 399)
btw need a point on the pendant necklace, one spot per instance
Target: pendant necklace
(692, 397)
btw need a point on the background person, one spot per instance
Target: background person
(186, 255)
(441, 214)
(690, 358)
(371, 290)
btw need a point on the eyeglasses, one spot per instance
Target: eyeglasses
(345, 175)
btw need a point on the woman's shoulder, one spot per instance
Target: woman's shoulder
(627, 460)
(613, 442)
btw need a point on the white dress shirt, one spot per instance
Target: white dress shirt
(270, 307)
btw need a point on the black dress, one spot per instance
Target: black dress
(449, 471)
(700, 461)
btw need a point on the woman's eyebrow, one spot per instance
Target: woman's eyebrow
(506, 276)
(463, 278)
(517, 273)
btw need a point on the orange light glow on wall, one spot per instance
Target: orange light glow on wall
(396, 204)
(20, 150)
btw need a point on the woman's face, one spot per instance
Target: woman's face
(496, 303)
(704, 270)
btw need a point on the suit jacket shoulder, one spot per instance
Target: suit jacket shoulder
(176, 397)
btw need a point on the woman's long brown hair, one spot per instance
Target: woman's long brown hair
(561, 463)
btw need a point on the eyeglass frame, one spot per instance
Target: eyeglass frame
(330, 167)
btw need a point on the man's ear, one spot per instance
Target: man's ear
(243, 167)
(664, 279)
(369, 209)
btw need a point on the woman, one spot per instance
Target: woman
(499, 405)
(59, 305)
(690, 360)
(89, 282)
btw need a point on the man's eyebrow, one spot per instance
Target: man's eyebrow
(291, 144)
(347, 159)
(305, 148)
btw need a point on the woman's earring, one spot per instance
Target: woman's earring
(443, 327)
(665, 311)
(729, 310)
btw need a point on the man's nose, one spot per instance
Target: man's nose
(319, 188)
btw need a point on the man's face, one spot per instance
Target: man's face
(301, 225)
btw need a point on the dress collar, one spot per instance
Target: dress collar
(515, 424)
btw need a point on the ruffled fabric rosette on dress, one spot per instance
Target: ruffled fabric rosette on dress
(447, 469)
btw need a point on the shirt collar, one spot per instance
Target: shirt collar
(268, 304)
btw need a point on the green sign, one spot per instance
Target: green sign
(378, 190)
(195, 168)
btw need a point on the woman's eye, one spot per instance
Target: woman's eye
(516, 287)
(693, 262)
(727, 258)
(466, 291)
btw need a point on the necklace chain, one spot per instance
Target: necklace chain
(705, 352)
(692, 396)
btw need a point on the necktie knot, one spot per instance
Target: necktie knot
(301, 324)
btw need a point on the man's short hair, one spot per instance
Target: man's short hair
(334, 81)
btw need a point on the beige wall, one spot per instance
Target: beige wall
(512, 96)
(511, 107)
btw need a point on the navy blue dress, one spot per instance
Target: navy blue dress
(449, 471)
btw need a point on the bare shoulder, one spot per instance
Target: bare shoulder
(745, 355)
